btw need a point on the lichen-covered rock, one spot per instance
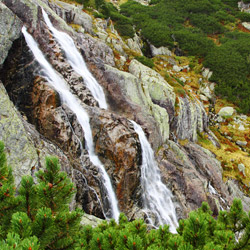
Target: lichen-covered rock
(95, 50)
(159, 51)
(191, 119)
(234, 190)
(25, 10)
(246, 25)
(156, 91)
(88, 219)
(72, 14)
(207, 73)
(21, 154)
(125, 96)
(135, 44)
(226, 112)
(241, 143)
(10, 29)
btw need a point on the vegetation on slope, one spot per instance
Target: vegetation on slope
(210, 30)
(38, 217)
(206, 29)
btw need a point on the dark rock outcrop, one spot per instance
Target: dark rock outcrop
(194, 176)
(119, 149)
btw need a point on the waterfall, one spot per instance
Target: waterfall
(77, 63)
(156, 196)
(70, 100)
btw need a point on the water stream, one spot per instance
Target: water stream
(156, 196)
(71, 101)
(77, 63)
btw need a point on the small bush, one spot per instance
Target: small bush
(146, 61)
(193, 42)
(207, 24)
(223, 16)
(243, 16)
(125, 30)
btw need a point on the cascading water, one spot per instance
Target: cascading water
(156, 196)
(77, 63)
(69, 99)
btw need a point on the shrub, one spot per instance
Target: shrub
(125, 30)
(123, 24)
(224, 16)
(243, 16)
(38, 217)
(146, 61)
(207, 24)
(195, 43)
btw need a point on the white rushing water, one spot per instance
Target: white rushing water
(70, 100)
(156, 196)
(77, 63)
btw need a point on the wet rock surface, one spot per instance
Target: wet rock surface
(189, 171)
(118, 147)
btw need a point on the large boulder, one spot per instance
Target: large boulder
(226, 112)
(159, 51)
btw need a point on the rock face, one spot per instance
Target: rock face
(160, 51)
(191, 187)
(20, 150)
(119, 149)
(72, 14)
(10, 30)
(41, 124)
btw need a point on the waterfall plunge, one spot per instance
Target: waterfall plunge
(77, 63)
(156, 196)
(69, 99)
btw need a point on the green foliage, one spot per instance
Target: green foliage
(223, 16)
(38, 217)
(199, 231)
(243, 16)
(231, 70)
(207, 24)
(33, 226)
(189, 25)
(8, 201)
(146, 61)
(232, 3)
(55, 190)
(123, 24)
(194, 42)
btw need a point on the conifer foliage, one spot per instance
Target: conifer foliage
(37, 217)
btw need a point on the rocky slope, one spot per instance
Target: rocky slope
(173, 117)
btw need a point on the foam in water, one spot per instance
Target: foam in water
(70, 100)
(156, 196)
(77, 63)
